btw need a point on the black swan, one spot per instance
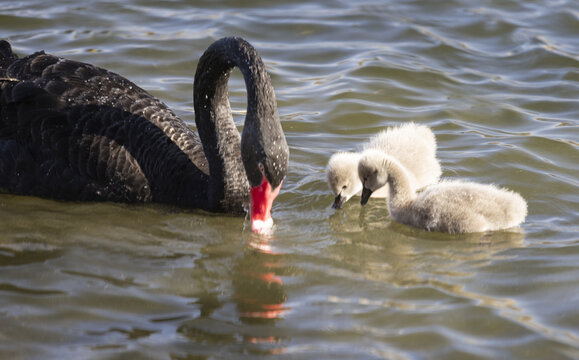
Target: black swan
(447, 206)
(74, 131)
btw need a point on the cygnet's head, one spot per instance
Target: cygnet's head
(372, 172)
(342, 173)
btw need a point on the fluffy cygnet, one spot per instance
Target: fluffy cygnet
(448, 206)
(413, 145)
(343, 178)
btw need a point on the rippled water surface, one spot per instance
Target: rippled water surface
(497, 81)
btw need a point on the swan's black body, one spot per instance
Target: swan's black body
(73, 131)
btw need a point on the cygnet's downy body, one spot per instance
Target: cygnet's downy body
(448, 206)
(413, 145)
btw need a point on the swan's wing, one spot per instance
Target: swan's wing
(75, 155)
(75, 84)
(76, 129)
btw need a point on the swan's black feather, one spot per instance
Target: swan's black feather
(74, 131)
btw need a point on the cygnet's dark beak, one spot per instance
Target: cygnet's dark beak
(338, 202)
(366, 193)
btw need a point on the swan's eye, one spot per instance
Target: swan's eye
(344, 187)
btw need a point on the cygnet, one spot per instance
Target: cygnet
(413, 145)
(447, 206)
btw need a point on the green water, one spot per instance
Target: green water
(497, 82)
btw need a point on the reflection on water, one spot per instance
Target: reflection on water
(259, 291)
(260, 299)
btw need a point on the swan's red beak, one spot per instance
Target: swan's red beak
(262, 197)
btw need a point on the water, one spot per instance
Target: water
(498, 83)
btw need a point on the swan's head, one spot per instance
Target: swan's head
(265, 156)
(372, 172)
(342, 174)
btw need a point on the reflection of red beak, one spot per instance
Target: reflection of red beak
(262, 197)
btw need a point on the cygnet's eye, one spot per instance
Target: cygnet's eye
(344, 187)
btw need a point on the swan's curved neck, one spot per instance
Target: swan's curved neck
(221, 141)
